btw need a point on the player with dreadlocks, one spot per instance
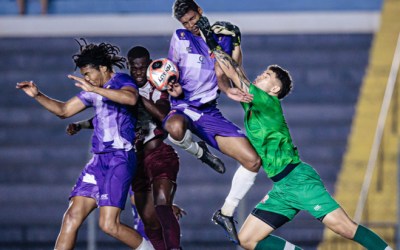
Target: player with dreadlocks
(106, 178)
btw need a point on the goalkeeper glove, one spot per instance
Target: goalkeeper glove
(227, 28)
(207, 34)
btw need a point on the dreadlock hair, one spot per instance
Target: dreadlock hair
(138, 52)
(285, 78)
(96, 55)
(181, 7)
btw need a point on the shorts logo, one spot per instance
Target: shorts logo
(265, 199)
(317, 207)
(104, 197)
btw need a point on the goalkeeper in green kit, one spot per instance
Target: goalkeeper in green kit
(297, 186)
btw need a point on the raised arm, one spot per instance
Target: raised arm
(59, 108)
(232, 70)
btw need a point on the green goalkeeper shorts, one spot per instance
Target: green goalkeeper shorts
(301, 189)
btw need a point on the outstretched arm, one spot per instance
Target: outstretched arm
(229, 66)
(59, 108)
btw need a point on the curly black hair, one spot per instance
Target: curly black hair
(181, 7)
(95, 55)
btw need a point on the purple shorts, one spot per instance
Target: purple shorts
(107, 178)
(160, 163)
(207, 122)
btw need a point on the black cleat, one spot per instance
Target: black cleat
(211, 160)
(228, 224)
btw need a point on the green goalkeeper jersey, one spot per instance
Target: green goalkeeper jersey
(268, 132)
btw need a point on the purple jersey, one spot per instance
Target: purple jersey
(114, 123)
(197, 75)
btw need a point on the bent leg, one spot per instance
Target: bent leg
(240, 149)
(179, 134)
(256, 234)
(339, 222)
(110, 223)
(79, 208)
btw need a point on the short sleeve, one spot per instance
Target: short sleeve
(86, 98)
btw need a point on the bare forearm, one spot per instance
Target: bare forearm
(232, 70)
(54, 106)
(157, 110)
(237, 55)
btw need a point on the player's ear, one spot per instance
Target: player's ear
(200, 10)
(276, 89)
(103, 69)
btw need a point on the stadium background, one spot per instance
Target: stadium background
(325, 44)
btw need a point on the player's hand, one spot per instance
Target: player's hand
(174, 89)
(239, 95)
(29, 87)
(73, 128)
(229, 29)
(207, 33)
(82, 83)
(178, 211)
(204, 26)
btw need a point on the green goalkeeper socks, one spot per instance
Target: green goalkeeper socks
(272, 242)
(369, 239)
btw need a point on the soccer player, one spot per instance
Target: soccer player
(154, 185)
(297, 186)
(194, 108)
(106, 178)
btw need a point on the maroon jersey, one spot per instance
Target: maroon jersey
(148, 128)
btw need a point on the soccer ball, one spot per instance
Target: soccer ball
(160, 72)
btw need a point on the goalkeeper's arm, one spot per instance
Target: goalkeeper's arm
(231, 68)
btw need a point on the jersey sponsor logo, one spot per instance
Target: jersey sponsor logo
(182, 35)
(201, 59)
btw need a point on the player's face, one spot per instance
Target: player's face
(268, 82)
(138, 68)
(189, 21)
(96, 77)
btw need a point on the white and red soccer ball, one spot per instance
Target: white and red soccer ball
(160, 72)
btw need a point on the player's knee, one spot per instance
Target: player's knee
(253, 163)
(72, 219)
(246, 243)
(175, 127)
(109, 227)
(151, 221)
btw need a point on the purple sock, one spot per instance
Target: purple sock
(170, 226)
